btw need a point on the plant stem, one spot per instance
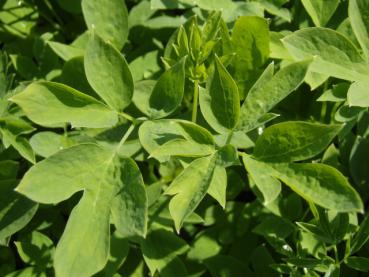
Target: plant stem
(128, 117)
(65, 130)
(195, 100)
(229, 137)
(126, 135)
(336, 254)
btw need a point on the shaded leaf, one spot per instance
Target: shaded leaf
(15, 210)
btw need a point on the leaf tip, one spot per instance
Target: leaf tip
(178, 229)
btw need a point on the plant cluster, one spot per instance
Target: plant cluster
(184, 138)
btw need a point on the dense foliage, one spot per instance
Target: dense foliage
(184, 138)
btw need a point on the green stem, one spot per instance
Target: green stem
(336, 254)
(65, 130)
(126, 135)
(323, 112)
(229, 137)
(128, 117)
(195, 100)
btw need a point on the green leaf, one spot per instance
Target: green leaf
(161, 249)
(334, 55)
(74, 75)
(337, 94)
(52, 105)
(205, 245)
(15, 210)
(64, 51)
(315, 80)
(111, 185)
(226, 266)
(72, 6)
(320, 11)
(316, 231)
(108, 18)
(129, 206)
(240, 140)
(119, 249)
(8, 170)
(220, 104)
(250, 41)
(28, 272)
(47, 143)
(359, 168)
(108, 73)
(275, 7)
(277, 49)
(358, 263)
(153, 134)
(347, 113)
(211, 27)
(321, 184)
(294, 141)
(268, 91)
(17, 20)
(167, 93)
(11, 129)
(359, 18)
(273, 226)
(213, 5)
(189, 188)
(182, 148)
(142, 94)
(268, 186)
(361, 236)
(218, 185)
(145, 67)
(83, 249)
(321, 264)
(358, 94)
(168, 4)
(165, 138)
(25, 66)
(36, 249)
